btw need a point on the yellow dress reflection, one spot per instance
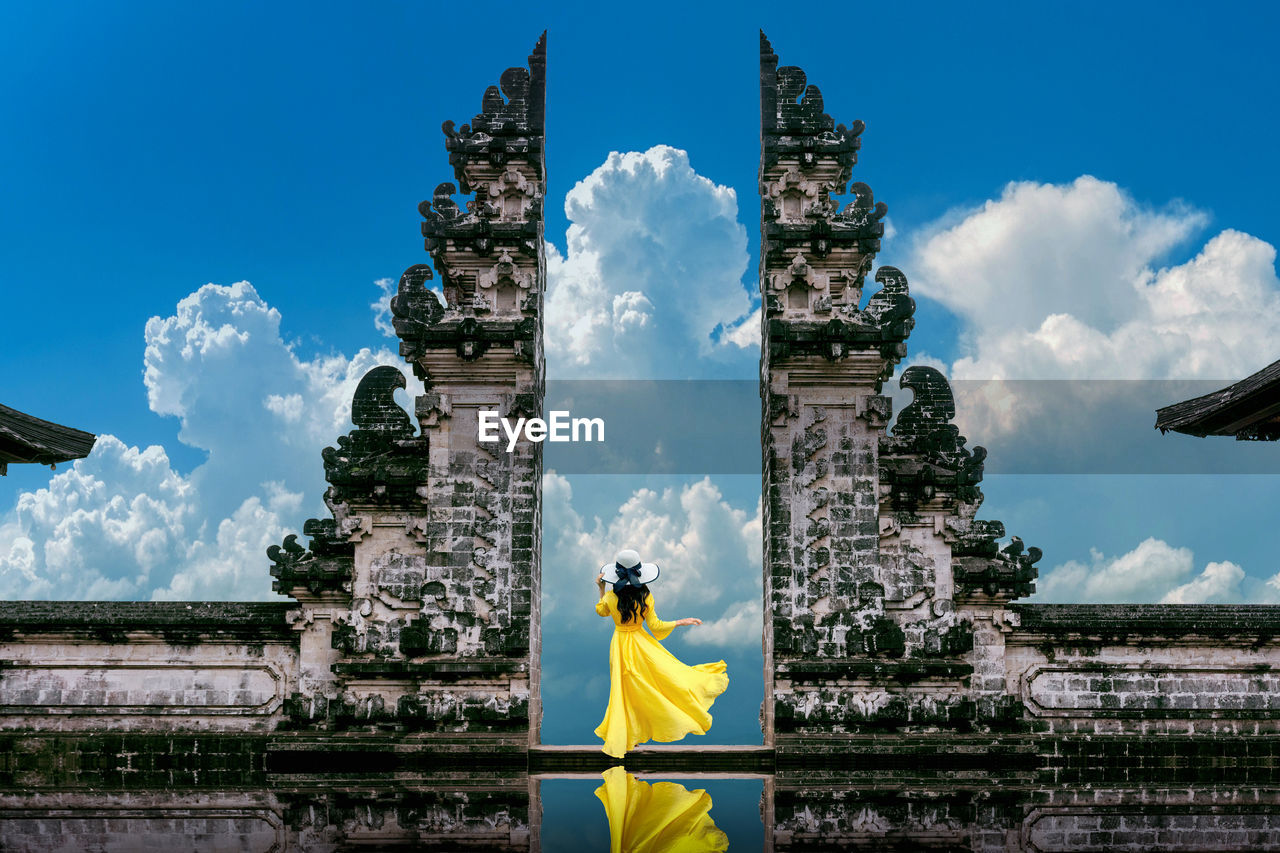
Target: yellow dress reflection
(660, 818)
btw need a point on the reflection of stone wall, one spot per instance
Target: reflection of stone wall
(993, 818)
(1139, 830)
(218, 822)
(273, 791)
(250, 820)
(491, 812)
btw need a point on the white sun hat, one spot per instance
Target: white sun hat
(627, 568)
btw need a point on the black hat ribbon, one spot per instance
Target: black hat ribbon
(627, 576)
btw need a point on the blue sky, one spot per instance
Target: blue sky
(1075, 191)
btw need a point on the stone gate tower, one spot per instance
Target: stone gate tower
(419, 599)
(861, 631)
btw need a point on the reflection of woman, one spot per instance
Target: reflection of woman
(659, 818)
(652, 695)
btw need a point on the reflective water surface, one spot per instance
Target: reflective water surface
(619, 810)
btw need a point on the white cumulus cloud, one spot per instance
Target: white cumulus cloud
(652, 279)
(1065, 282)
(1153, 572)
(1074, 281)
(741, 626)
(123, 524)
(709, 552)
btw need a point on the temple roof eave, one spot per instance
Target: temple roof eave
(26, 438)
(1242, 409)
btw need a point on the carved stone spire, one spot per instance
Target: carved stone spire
(420, 596)
(825, 352)
(486, 250)
(860, 524)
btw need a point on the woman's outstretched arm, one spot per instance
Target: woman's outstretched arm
(602, 608)
(658, 627)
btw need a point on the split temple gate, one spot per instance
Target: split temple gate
(894, 648)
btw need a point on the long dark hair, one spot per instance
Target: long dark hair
(631, 602)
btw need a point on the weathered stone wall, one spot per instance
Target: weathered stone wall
(123, 666)
(417, 601)
(987, 817)
(862, 525)
(1146, 669)
(496, 819)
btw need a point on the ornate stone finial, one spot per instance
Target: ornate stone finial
(509, 124)
(487, 250)
(983, 569)
(374, 406)
(864, 211)
(891, 308)
(925, 455)
(924, 425)
(288, 557)
(415, 306)
(884, 324)
(793, 124)
(442, 208)
(381, 459)
(800, 105)
(326, 565)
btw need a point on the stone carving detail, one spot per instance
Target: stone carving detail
(798, 272)
(891, 308)
(864, 211)
(486, 250)
(794, 121)
(793, 197)
(924, 425)
(414, 306)
(1137, 691)
(509, 125)
(326, 564)
(825, 598)
(925, 455)
(982, 569)
(514, 196)
(154, 687)
(510, 285)
(380, 460)
(795, 327)
(403, 576)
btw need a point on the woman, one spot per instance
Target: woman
(652, 695)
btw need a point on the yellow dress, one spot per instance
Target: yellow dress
(664, 817)
(652, 695)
